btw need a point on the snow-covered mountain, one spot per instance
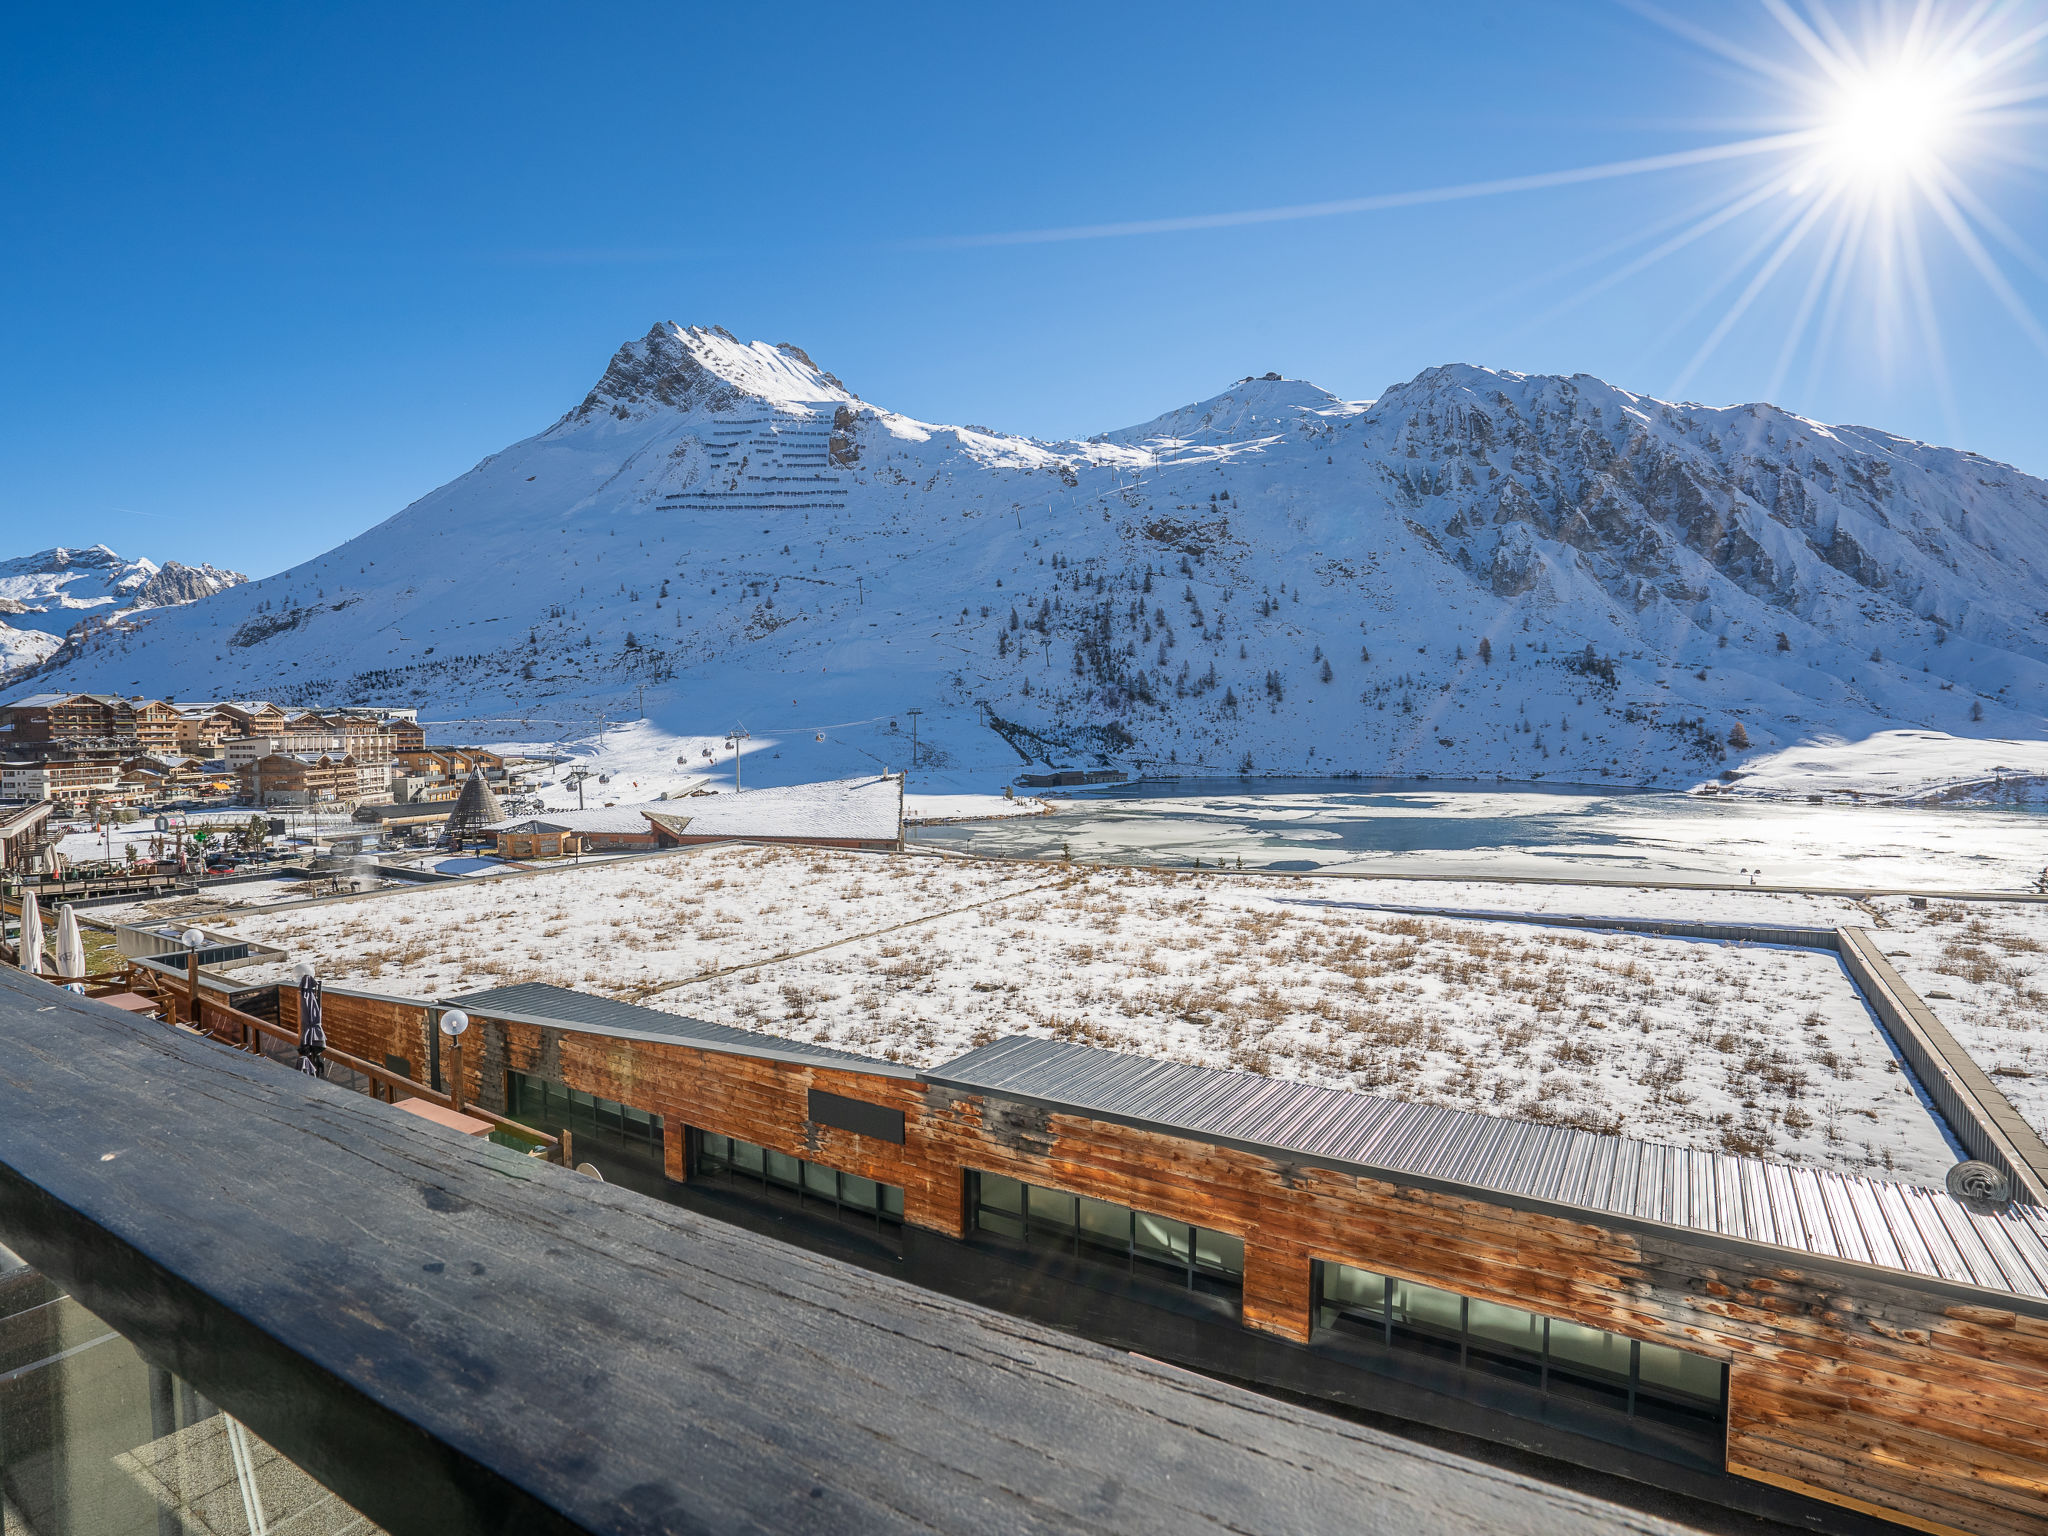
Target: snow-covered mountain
(1478, 573)
(42, 596)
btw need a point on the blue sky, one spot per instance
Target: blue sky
(269, 273)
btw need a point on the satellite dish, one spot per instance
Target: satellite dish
(1979, 1184)
(589, 1171)
(454, 1022)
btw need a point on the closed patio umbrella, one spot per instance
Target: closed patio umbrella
(312, 1038)
(31, 947)
(70, 943)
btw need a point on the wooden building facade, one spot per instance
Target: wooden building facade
(1905, 1383)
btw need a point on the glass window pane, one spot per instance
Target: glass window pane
(1106, 1225)
(1051, 1209)
(1494, 1326)
(1158, 1238)
(892, 1201)
(1424, 1306)
(1679, 1373)
(1358, 1290)
(1002, 1194)
(859, 1193)
(821, 1181)
(746, 1157)
(713, 1153)
(1588, 1349)
(784, 1169)
(1219, 1251)
(636, 1117)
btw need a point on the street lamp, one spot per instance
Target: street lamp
(453, 1023)
(192, 939)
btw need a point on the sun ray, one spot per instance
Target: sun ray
(1759, 192)
(1381, 202)
(1930, 326)
(1734, 271)
(1830, 253)
(1986, 265)
(1792, 241)
(1701, 207)
(1839, 287)
(1983, 213)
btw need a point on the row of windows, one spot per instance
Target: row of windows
(1112, 1234)
(540, 1102)
(1585, 1368)
(1568, 1360)
(716, 1156)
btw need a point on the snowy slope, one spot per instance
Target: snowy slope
(44, 595)
(1273, 580)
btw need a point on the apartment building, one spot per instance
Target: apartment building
(68, 782)
(291, 778)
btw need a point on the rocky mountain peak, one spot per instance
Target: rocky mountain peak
(698, 368)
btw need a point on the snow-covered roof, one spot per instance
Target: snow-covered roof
(609, 818)
(865, 809)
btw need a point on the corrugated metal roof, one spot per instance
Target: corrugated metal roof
(535, 1002)
(1843, 1216)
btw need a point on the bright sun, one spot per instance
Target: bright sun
(1886, 125)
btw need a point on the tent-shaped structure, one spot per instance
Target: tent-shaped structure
(475, 808)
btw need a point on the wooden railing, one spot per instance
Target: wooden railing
(246, 1032)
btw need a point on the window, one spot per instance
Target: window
(597, 1124)
(1116, 1235)
(727, 1157)
(1564, 1361)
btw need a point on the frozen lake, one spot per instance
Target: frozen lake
(1511, 830)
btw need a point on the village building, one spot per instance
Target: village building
(288, 778)
(67, 724)
(156, 725)
(865, 813)
(1774, 1339)
(21, 830)
(838, 813)
(561, 834)
(70, 783)
(201, 729)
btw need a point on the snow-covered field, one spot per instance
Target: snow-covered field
(1901, 765)
(1716, 1046)
(1983, 968)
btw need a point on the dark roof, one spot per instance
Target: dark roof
(1843, 1216)
(535, 1002)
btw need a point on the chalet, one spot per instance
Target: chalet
(287, 778)
(157, 725)
(53, 724)
(839, 813)
(612, 829)
(202, 728)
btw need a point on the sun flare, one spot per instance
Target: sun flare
(1890, 124)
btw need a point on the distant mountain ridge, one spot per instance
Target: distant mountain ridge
(44, 595)
(1478, 573)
